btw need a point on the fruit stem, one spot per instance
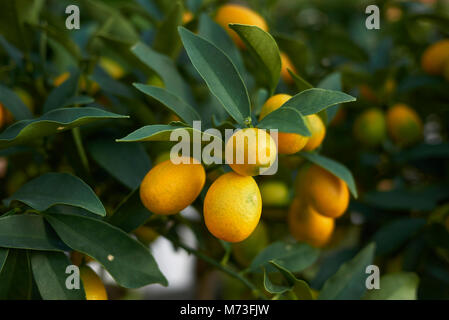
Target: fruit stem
(216, 264)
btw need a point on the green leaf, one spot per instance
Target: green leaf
(274, 288)
(395, 286)
(331, 82)
(78, 100)
(14, 15)
(171, 101)
(265, 52)
(27, 231)
(58, 188)
(300, 82)
(16, 277)
(166, 69)
(422, 198)
(211, 31)
(423, 151)
(128, 261)
(294, 257)
(55, 121)
(118, 25)
(349, 281)
(13, 103)
(296, 49)
(59, 96)
(14, 53)
(314, 100)
(299, 287)
(220, 74)
(392, 236)
(61, 36)
(128, 163)
(158, 132)
(50, 276)
(130, 214)
(334, 167)
(285, 119)
(167, 39)
(110, 85)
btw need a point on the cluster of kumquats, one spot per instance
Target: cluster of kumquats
(233, 203)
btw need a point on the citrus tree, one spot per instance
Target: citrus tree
(88, 118)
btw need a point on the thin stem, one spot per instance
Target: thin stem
(219, 266)
(76, 133)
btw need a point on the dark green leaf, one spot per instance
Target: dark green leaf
(274, 288)
(55, 121)
(265, 52)
(171, 101)
(27, 231)
(12, 51)
(285, 119)
(331, 82)
(166, 69)
(130, 214)
(167, 39)
(392, 236)
(110, 85)
(126, 162)
(334, 167)
(300, 82)
(296, 49)
(330, 264)
(220, 74)
(59, 96)
(299, 287)
(127, 260)
(294, 257)
(61, 36)
(13, 103)
(349, 281)
(395, 286)
(314, 100)
(49, 271)
(424, 151)
(16, 276)
(58, 188)
(117, 25)
(214, 33)
(14, 15)
(425, 198)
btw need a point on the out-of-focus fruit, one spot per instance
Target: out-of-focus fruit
(187, 16)
(274, 194)
(370, 127)
(234, 13)
(326, 193)
(145, 234)
(244, 252)
(435, 56)
(404, 125)
(114, 69)
(307, 225)
(93, 286)
(285, 65)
